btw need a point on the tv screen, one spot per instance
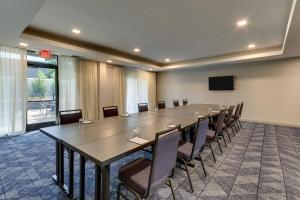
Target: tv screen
(221, 83)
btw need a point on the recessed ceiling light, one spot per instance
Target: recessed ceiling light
(167, 59)
(109, 61)
(242, 23)
(23, 44)
(136, 50)
(251, 46)
(76, 31)
(151, 69)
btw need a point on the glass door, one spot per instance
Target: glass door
(41, 92)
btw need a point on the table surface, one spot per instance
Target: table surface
(106, 140)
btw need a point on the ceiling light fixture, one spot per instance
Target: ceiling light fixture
(23, 44)
(109, 61)
(151, 69)
(242, 23)
(76, 31)
(136, 50)
(251, 46)
(167, 59)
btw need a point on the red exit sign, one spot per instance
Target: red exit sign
(45, 54)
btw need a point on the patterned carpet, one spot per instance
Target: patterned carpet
(262, 162)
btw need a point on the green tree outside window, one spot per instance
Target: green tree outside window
(38, 86)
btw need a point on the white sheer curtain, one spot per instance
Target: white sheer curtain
(140, 88)
(132, 97)
(68, 93)
(13, 68)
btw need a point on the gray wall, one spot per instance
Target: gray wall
(270, 89)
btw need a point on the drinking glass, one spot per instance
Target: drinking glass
(170, 121)
(136, 131)
(209, 109)
(80, 122)
(196, 114)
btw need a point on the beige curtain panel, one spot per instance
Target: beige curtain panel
(92, 85)
(87, 86)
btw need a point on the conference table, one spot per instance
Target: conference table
(106, 140)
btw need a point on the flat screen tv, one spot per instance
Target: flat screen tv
(221, 83)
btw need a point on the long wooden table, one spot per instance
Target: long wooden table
(107, 140)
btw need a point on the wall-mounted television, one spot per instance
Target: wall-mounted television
(221, 83)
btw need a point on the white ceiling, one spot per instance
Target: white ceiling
(15, 15)
(180, 30)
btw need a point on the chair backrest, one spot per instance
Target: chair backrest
(220, 122)
(69, 116)
(176, 103)
(229, 115)
(237, 111)
(241, 109)
(184, 102)
(143, 107)
(200, 137)
(110, 111)
(164, 158)
(161, 105)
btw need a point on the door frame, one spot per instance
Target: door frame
(36, 126)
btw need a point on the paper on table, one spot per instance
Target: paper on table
(86, 122)
(138, 140)
(172, 126)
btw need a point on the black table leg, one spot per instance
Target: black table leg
(98, 179)
(61, 164)
(192, 134)
(105, 182)
(56, 177)
(71, 173)
(59, 176)
(82, 178)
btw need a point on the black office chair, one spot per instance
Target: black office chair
(143, 177)
(184, 102)
(175, 103)
(240, 114)
(110, 111)
(214, 135)
(143, 107)
(161, 105)
(69, 116)
(228, 120)
(213, 124)
(235, 117)
(188, 151)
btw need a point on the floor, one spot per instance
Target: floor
(262, 162)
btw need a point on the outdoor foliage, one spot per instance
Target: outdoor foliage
(38, 86)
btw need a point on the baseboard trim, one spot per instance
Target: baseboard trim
(273, 123)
